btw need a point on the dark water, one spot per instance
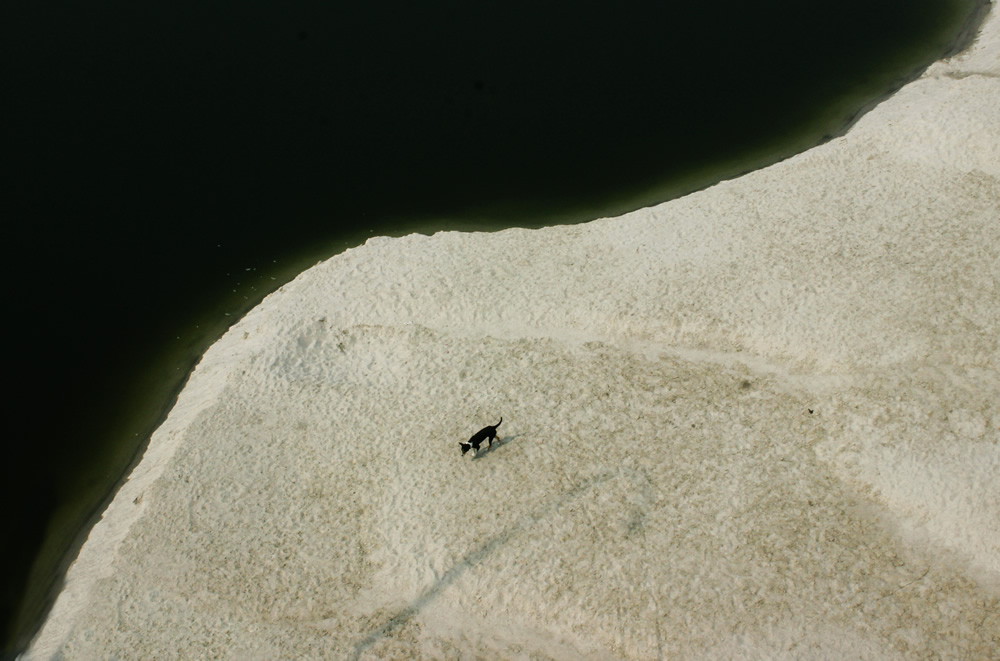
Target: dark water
(173, 162)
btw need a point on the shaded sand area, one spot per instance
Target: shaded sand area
(759, 421)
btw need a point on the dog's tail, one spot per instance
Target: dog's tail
(498, 424)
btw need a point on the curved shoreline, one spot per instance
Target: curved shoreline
(145, 427)
(614, 326)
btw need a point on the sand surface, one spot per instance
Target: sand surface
(760, 421)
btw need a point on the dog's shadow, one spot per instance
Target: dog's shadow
(497, 444)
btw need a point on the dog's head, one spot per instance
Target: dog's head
(465, 447)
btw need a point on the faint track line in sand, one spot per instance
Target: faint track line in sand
(473, 558)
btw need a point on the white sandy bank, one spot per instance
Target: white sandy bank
(760, 421)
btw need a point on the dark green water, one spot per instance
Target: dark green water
(175, 162)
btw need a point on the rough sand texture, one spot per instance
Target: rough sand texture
(760, 421)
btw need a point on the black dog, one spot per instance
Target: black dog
(484, 434)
